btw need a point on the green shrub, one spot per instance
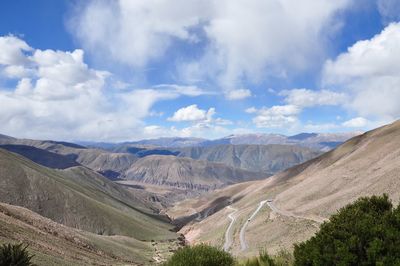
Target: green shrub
(14, 255)
(200, 255)
(283, 258)
(366, 232)
(262, 260)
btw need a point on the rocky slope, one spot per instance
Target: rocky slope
(268, 159)
(79, 198)
(61, 155)
(187, 173)
(54, 244)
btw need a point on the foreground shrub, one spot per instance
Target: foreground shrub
(200, 255)
(14, 255)
(366, 232)
(283, 258)
(263, 260)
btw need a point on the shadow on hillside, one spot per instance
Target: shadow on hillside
(42, 157)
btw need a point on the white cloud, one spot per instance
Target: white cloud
(238, 94)
(62, 98)
(297, 99)
(12, 51)
(138, 33)
(17, 71)
(357, 122)
(370, 73)
(192, 113)
(276, 116)
(202, 121)
(134, 32)
(251, 110)
(324, 127)
(188, 90)
(309, 98)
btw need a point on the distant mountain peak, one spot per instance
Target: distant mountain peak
(303, 136)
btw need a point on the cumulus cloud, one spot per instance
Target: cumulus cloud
(309, 98)
(137, 33)
(237, 94)
(276, 116)
(251, 110)
(297, 99)
(357, 122)
(370, 73)
(192, 113)
(202, 123)
(61, 97)
(12, 51)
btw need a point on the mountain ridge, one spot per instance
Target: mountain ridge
(187, 173)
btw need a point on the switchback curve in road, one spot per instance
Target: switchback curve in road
(243, 243)
(228, 237)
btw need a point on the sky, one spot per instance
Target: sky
(103, 70)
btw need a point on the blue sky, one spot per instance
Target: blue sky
(126, 70)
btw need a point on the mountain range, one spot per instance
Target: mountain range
(321, 141)
(211, 167)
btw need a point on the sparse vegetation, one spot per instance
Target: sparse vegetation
(15, 255)
(263, 260)
(200, 255)
(366, 232)
(282, 258)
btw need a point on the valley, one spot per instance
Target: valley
(152, 200)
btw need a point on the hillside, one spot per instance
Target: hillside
(79, 198)
(61, 155)
(187, 173)
(300, 198)
(365, 165)
(268, 159)
(55, 244)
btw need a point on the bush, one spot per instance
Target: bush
(200, 255)
(263, 260)
(283, 258)
(14, 255)
(366, 232)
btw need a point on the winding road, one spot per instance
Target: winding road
(270, 203)
(228, 238)
(243, 243)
